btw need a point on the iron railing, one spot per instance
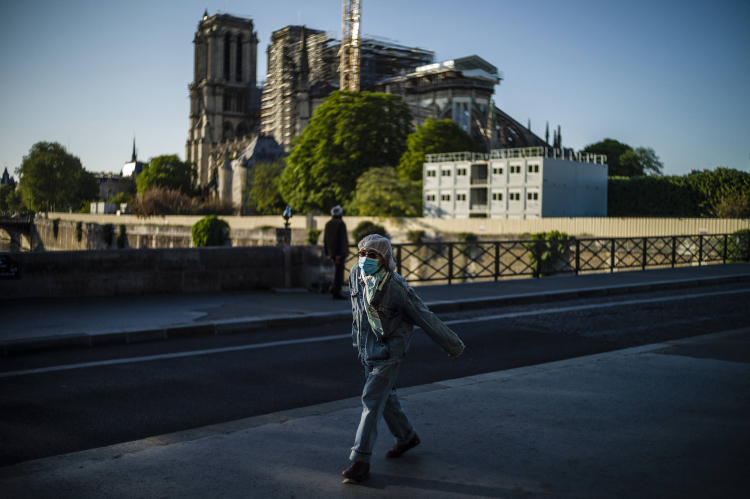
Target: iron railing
(487, 260)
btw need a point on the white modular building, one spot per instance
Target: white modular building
(532, 182)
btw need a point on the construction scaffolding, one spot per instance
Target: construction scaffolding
(350, 50)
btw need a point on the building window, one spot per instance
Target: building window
(445, 173)
(497, 171)
(445, 197)
(460, 197)
(461, 172)
(514, 196)
(497, 196)
(533, 168)
(430, 197)
(432, 173)
(238, 68)
(227, 56)
(515, 169)
(532, 196)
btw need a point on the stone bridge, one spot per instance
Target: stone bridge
(20, 231)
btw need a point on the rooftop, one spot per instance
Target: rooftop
(526, 152)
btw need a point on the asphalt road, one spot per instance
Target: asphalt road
(70, 409)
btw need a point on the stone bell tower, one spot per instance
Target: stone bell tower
(224, 97)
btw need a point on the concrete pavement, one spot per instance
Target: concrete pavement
(662, 420)
(53, 322)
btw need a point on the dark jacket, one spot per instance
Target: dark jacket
(335, 239)
(399, 310)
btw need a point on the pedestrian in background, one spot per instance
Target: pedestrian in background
(385, 310)
(336, 243)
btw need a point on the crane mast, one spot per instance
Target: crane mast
(351, 49)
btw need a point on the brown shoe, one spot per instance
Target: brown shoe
(357, 471)
(398, 450)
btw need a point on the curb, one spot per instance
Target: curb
(230, 326)
(116, 451)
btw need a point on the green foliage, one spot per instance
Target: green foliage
(108, 232)
(169, 172)
(614, 150)
(122, 237)
(435, 136)
(467, 237)
(51, 178)
(366, 228)
(210, 231)
(313, 236)
(55, 227)
(263, 188)
(121, 198)
(381, 193)
(549, 252)
(702, 194)
(416, 236)
(15, 201)
(349, 133)
(5, 191)
(161, 201)
(79, 231)
(86, 208)
(737, 246)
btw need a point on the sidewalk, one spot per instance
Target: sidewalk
(50, 322)
(662, 420)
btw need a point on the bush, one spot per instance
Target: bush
(121, 198)
(730, 203)
(467, 237)
(416, 236)
(122, 238)
(210, 231)
(312, 236)
(160, 201)
(737, 246)
(108, 232)
(554, 254)
(86, 208)
(366, 228)
(213, 206)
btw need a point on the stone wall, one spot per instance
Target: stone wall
(177, 270)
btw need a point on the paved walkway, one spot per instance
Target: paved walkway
(663, 420)
(44, 318)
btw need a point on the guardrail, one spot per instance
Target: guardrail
(487, 260)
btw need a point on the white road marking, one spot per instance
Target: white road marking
(342, 336)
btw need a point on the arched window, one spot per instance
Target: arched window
(227, 55)
(238, 70)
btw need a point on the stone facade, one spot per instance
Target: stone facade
(224, 97)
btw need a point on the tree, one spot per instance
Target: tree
(431, 138)
(613, 150)
(381, 193)
(649, 161)
(5, 191)
(263, 189)
(50, 177)
(169, 172)
(348, 134)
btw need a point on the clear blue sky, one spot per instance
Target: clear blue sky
(672, 75)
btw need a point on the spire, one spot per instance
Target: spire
(529, 125)
(546, 134)
(133, 159)
(205, 14)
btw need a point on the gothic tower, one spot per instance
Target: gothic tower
(224, 97)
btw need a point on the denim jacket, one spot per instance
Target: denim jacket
(399, 310)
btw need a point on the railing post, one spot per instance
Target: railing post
(578, 256)
(700, 250)
(398, 259)
(537, 257)
(497, 260)
(674, 250)
(612, 256)
(645, 249)
(450, 262)
(726, 245)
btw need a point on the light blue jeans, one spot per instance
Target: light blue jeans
(379, 398)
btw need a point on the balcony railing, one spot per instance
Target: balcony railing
(488, 260)
(478, 180)
(526, 152)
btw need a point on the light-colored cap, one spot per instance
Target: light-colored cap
(336, 211)
(380, 244)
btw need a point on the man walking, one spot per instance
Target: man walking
(336, 243)
(385, 310)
